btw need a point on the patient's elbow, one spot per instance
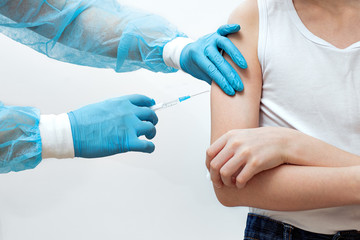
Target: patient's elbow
(225, 197)
(227, 203)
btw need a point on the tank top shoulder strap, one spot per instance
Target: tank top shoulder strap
(262, 30)
(274, 11)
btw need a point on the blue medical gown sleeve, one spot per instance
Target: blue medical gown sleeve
(20, 141)
(96, 33)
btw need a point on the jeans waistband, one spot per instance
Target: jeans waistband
(263, 228)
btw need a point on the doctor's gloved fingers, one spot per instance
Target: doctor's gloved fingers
(228, 72)
(214, 74)
(228, 29)
(142, 146)
(146, 114)
(226, 44)
(147, 129)
(141, 100)
(201, 74)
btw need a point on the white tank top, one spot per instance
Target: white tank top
(314, 87)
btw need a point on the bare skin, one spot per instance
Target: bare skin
(247, 171)
(332, 20)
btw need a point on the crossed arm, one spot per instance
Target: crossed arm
(271, 168)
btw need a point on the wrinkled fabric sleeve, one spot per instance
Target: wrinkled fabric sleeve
(20, 141)
(96, 33)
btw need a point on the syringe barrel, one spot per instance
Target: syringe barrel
(164, 105)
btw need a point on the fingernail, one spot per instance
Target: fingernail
(153, 102)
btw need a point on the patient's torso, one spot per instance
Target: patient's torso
(314, 87)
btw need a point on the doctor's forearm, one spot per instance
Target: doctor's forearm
(91, 32)
(295, 188)
(20, 140)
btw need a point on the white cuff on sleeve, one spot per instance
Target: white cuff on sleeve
(172, 51)
(56, 136)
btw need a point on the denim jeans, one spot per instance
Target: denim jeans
(263, 228)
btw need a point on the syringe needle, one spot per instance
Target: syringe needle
(196, 94)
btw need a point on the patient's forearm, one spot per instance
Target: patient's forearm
(295, 188)
(305, 150)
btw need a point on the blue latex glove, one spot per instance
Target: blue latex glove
(113, 126)
(203, 60)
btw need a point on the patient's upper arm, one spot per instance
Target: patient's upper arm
(241, 110)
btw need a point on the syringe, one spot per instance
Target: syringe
(176, 101)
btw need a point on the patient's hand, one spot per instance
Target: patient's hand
(240, 154)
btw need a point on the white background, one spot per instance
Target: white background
(164, 195)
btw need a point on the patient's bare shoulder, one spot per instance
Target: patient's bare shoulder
(246, 40)
(247, 13)
(247, 16)
(242, 110)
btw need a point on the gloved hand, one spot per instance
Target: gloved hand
(113, 126)
(203, 60)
